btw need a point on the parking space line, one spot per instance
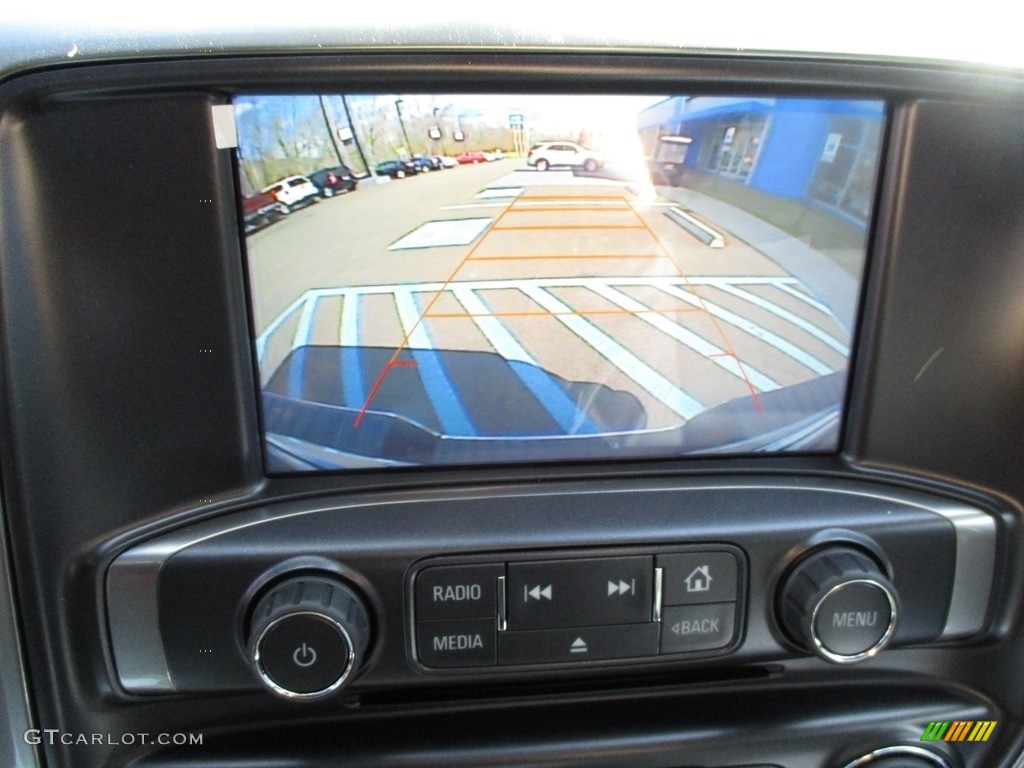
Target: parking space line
(714, 320)
(555, 400)
(567, 227)
(570, 256)
(303, 332)
(688, 338)
(806, 298)
(264, 338)
(568, 205)
(547, 282)
(661, 388)
(786, 347)
(572, 196)
(472, 205)
(430, 305)
(351, 366)
(789, 317)
(305, 327)
(446, 401)
(580, 312)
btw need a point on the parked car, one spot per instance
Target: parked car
(493, 155)
(426, 163)
(293, 192)
(447, 162)
(330, 181)
(468, 158)
(552, 154)
(397, 169)
(260, 210)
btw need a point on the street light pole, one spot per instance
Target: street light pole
(401, 122)
(330, 129)
(355, 137)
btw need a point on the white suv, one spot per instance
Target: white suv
(292, 192)
(563, 153)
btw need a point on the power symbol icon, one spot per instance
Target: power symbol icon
(304, 656)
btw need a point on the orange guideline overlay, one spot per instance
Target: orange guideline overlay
(550, 204)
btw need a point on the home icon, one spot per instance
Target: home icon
(699, 580)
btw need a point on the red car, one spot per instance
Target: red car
(470, 157)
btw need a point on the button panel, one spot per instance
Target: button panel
(580, 593)
(514, 610)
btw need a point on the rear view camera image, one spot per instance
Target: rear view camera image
(474, 279)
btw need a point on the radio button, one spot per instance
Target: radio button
(458, 591)
(703, 627)
(698, 577)
(462, 643)
(580, 593)
(552, 646)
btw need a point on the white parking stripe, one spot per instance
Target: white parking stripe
(305, 328)
(783, 283)
(504, 343)
(409, 314)
(664, 390)
(769, 338)
(349, 331)
(598, 203)
(472, 205)
(788, 316)
(552, 282)
(807, 299)
(688, 338)
(261, 341)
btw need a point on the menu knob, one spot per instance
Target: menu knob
(839, 604)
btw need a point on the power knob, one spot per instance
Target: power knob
(839, 604)
(308, 637)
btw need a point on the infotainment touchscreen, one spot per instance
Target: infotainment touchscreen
(451, 279)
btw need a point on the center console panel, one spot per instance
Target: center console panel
(565, 580)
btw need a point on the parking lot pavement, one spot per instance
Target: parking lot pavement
(583, 278)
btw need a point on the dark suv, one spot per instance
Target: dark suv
(330, 181)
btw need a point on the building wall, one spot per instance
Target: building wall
(792, 146)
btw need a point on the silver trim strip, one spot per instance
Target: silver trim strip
(133, 577)
(502, 605)
(134, 617)
(15, 711)
(659, 580)
(975, 569)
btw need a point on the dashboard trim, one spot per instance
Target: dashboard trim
(132, 585)
(15, 712)
(975, 570)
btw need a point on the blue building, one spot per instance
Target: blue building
(822, 152)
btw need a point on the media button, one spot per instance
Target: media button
(458, 591)
(459, 643)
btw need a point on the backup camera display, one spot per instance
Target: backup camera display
(446, 279)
